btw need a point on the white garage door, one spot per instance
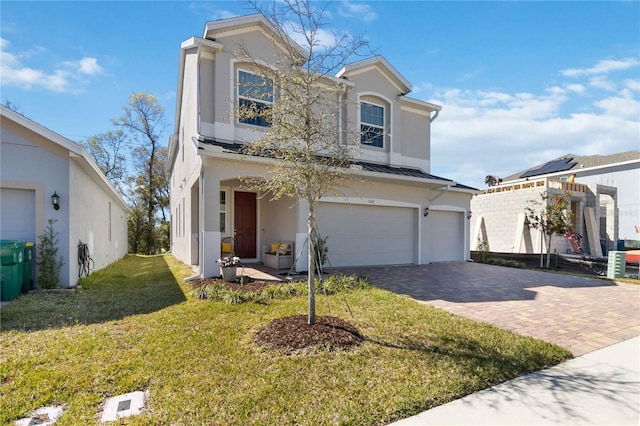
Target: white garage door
(362, 235)
(17, 214)
(446, 236)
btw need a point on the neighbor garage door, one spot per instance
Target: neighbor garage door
(18, 214)
(368, 235)
(446, 236)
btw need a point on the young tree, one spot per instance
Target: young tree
(48, 261)
(551, 215)
(107, 150)
(307, 138)
(145, 122)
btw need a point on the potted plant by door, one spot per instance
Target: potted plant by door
(229, 266)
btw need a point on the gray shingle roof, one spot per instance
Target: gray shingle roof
(572, 161)
(369, 167)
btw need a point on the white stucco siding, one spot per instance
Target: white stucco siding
(31, 162)
(627, 183)
(98, 220)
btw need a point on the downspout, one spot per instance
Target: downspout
(432, 119)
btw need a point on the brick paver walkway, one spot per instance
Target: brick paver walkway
(580, 314)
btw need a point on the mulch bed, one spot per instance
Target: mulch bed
(292, 335)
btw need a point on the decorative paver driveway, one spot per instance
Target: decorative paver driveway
(580, 314)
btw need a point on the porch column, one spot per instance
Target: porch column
(210, 214)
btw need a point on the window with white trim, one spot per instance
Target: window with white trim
(371, 125)
(255, 98)
(223, 212)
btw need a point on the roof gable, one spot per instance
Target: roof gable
(76, 151)
(380, 64)
(244, 24)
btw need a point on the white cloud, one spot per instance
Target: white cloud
(64, 79)
(624, 105)
(632, 84)
(323, 38)
(602, 67)
(601, 82)
(357, 10)
(490, 132)
(211, 11)
(577, 88)
(90, 66)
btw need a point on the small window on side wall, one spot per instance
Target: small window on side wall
(371, 125)
(255, 99)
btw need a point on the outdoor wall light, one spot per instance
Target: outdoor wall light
(469, 215)
(55, 200)
(426, 211)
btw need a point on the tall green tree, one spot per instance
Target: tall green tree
(144, 121)
(551, 215)
(307, 138)
(108, 151)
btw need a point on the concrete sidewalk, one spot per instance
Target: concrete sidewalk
(601, 387)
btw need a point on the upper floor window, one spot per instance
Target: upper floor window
(372, 125)
(255, 98)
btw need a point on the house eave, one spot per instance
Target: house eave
(76, 152)
(207, 150)
(379, 62)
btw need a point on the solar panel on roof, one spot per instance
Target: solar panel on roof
(551, 167)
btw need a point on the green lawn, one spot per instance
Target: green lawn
(133, 326)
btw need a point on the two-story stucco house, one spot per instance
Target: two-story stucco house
(393, 212)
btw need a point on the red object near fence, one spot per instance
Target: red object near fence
(574, 239)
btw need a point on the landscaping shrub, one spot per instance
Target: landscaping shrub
(505, 262)
(331, 285)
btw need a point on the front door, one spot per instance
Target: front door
(245, 224)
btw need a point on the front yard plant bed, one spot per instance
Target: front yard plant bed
(132, 327)
(265, 291)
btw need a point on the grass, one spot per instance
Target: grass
(131, 327)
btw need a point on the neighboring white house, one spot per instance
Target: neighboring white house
(605, 198)
(36, 163)
(395, 212)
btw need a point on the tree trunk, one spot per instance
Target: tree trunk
(542, 241)
(549, 252)
(311, 232)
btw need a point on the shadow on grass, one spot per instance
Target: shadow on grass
(131, 286)
(487, 363)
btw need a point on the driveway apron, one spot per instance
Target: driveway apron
(578, 313)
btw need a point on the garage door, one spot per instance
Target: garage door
(446, 236)
(17, 214)
(362, 235)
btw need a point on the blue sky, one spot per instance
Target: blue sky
(520, 82)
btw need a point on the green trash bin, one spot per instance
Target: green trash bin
(11, 269)
(27, 267)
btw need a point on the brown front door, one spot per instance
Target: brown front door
(245, 224)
